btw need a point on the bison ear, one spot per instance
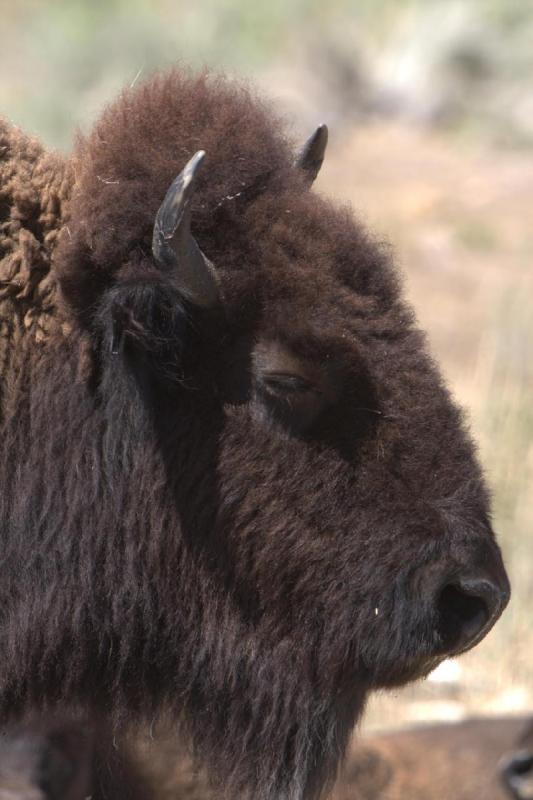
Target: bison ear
(174, 247)
(312, 153)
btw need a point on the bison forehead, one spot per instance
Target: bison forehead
(290, 244)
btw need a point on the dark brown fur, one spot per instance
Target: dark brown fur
(167, 541)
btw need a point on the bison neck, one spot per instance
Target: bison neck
(113, 591)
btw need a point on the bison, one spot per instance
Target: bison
(232, 482)
(517, 767)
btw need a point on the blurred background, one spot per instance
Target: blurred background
(430, 108)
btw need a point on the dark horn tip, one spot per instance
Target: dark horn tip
(319, 139)
(322, 132)
(192, 167)
(174, 247)
(197, 160)
(312, 154)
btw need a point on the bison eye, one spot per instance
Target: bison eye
(289, 399)
(280, 383)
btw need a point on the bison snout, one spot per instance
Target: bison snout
(467, 608)
(517, 774)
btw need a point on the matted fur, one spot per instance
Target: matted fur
(166, 542)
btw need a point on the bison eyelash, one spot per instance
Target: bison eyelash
(283, 383)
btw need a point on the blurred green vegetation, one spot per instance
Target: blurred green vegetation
(435, 59)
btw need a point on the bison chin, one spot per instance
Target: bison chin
(269, 728)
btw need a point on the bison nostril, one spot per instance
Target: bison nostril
(467, 609)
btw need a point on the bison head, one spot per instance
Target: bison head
(246, 488)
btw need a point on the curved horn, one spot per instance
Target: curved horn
(312, 153)
(174, 247)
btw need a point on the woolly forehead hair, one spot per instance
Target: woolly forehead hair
(251, 207)
(144, 139)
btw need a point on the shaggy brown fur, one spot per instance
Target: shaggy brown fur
(171, 535)
(33, 187)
